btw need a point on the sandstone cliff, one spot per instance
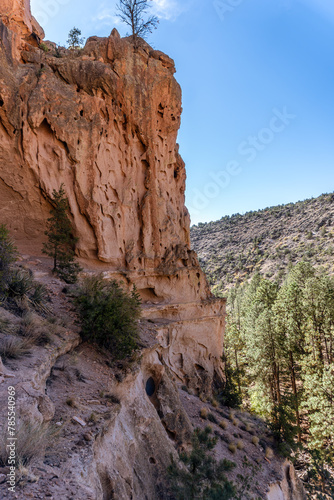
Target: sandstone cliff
(104, 121)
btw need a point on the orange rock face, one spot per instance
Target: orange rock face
(104, 122)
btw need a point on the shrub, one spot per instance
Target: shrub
(269, 453)
(232, 447)
(39, 295)
(7, 257)
(22, 291)
(109, 315)
(33, 330)
(61, 241)
(201, 476)
(212, 418)
(204, 413)
(21, 284)
(223, 424)
(44, 47)
(240, 445)
(93, 418)
(72, 402)
(214, 403)
(4, 325)
(255, 440)
(32, 440)
(13, 347)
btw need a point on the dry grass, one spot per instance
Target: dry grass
(32, 441)
(72, 402)
(34, 329)
(232, 447)
(255, 440)
(223, 424)
(204, 413)
(14, 348)
(240, 445)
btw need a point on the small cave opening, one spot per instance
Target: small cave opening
(1, 103)
(150, 387)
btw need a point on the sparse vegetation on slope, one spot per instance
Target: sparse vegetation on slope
(267, 242)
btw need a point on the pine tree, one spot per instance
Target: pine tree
(202, 476)
(74, 39)
(61, 241)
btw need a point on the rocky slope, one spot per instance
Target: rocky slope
(232, 249)
(95, 433)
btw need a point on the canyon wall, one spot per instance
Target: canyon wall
(103, 121)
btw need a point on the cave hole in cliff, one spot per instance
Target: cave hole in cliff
(1, 103)
(150, 387)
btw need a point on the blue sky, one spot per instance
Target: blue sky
(257, 79)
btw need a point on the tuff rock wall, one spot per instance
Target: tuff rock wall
(104, 122)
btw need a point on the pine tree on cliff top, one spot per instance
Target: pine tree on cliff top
(132, 12)
(61, 241)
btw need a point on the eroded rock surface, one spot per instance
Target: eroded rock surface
(104, 121)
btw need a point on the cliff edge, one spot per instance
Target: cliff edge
(104, 121)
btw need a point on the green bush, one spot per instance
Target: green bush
(109, 315)
(201, 475)
(61, 240)
(44, 47)
(7, 257)
(20, 284)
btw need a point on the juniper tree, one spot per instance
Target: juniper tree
(61, 240)
(132, 13)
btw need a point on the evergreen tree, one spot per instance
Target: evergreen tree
(75, 41)
(201, 476)
(7, 257)
(284, 337)
(109, 315)
(61, 241)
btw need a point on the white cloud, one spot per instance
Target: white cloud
(163, 9)
(168, 9)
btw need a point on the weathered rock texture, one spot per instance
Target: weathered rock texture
(104, 121)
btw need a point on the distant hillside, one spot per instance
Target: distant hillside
(232, 249)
